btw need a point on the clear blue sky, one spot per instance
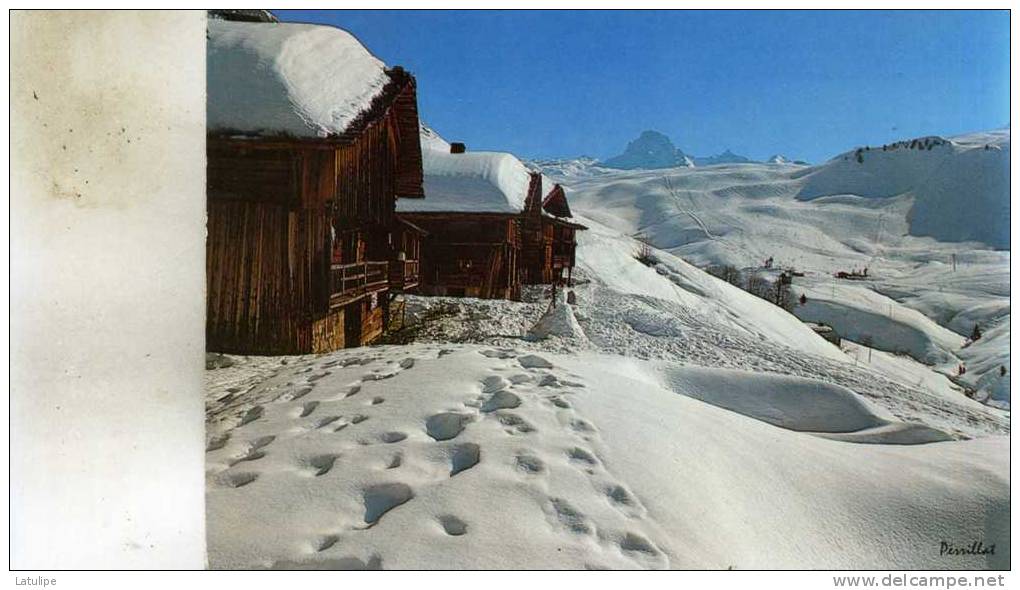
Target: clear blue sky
(805, 84)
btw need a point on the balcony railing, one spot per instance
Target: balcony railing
(404, 274)
(351, 281)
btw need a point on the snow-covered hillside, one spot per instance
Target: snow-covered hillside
(960, 186)
(918, 290)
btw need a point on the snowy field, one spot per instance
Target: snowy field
(665, 419)
(467, 456)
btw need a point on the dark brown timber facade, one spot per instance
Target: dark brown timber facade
(304, 250)
(548, 237)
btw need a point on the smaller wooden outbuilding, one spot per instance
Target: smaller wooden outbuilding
(493, 225)
(549, 237)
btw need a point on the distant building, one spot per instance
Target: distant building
(492, 225)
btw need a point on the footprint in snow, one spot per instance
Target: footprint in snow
(380, 499)
(407, 363)
(499, 354)
(392, 437)
(463, 457)
(253, 454)
(321, 464)
(514, 423)
(238, 480)
(533, 361)
(377, 400)
(619, 496)
(549, 380)
(452, 525)
(579, 425)
(635, 543)
(218, 442)
(296, 394)
(317, 376)
(529, 464)
(249, 457)
(446, 425)
(326, 421)
(501, 400)
(325, 542)
(307, 408)
(252, 415)
(519, 378)
(494, 383)
(580, 455)
(569, 517)
(395, 461)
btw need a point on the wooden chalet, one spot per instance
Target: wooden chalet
(490, 226)
(304, 251)
(548, 236)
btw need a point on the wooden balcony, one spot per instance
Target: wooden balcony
(349, 282)
(404, 275)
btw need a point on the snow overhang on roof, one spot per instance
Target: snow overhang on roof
(307, 81)
(472, 182)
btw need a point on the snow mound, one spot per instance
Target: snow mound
(475, 182)
(796, 403)
(285, 78)
(558, 321)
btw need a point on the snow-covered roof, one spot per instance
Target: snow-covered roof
(288, 78)
(430, 140)
(472, 182)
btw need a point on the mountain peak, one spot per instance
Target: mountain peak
(651, 149)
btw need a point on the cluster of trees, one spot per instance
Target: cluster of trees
(923, 143)
(777, 291)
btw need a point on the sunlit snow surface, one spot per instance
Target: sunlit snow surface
(666, 419)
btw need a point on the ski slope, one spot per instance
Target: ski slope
(922, 296)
